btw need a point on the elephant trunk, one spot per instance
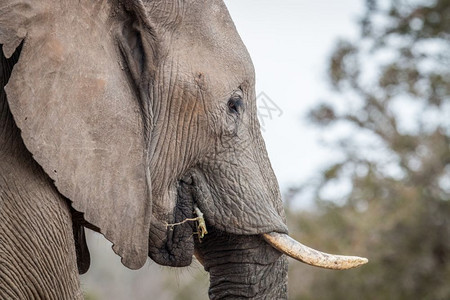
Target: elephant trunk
(242, 267)
(285, 244)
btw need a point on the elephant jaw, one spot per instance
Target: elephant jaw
(287, 245)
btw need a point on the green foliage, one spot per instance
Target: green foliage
(393, 92)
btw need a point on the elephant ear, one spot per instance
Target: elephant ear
(80, 114)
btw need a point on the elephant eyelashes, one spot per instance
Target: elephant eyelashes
(236, 105)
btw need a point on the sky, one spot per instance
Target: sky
(289, 42)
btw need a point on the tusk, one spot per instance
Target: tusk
(300, 252)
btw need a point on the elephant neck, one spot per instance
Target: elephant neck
(242, 267)
(37, 252)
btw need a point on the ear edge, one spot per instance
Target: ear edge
(138, 45)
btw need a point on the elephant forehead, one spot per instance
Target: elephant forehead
(206, 38)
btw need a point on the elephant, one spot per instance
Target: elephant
(136, 119)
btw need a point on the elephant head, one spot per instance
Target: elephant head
(143, 113)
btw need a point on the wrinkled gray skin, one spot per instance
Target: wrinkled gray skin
(130, 113)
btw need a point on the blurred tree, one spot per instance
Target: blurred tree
(390, 122)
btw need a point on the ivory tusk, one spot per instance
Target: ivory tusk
(300, 252)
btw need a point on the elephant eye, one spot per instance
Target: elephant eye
(235, 104)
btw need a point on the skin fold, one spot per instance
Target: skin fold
(122, 117)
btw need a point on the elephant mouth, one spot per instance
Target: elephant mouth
(182, 236)
(171, 243)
